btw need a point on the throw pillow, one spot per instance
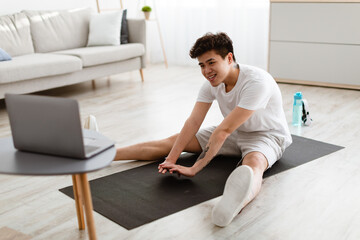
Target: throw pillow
(105, 29)
(124, 28)
(56, 30)
(4, 56)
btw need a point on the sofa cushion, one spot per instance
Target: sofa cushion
(91, 56)
(105, 29)
(36, 66)
(15, 37)
(59, 30)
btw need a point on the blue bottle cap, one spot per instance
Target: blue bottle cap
(298, 95)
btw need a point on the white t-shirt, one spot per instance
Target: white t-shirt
(255, 90)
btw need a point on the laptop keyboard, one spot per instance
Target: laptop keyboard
(89, 148)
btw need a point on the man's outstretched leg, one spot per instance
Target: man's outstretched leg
(154, 150)
(241, 187)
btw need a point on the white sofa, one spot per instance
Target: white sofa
(48, 50)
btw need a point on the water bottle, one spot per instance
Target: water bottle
(297, 109)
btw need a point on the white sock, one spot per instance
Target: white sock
(237, 193)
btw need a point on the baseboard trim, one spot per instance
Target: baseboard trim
(319, 84)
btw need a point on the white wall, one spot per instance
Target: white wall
(11, 6)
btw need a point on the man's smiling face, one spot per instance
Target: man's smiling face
(214, 68)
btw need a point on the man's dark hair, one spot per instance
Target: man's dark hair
(220, 42)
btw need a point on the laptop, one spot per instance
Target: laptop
(51, 125)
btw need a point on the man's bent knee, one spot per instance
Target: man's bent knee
(256, 160)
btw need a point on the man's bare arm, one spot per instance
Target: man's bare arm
(234, 120)
(237, 117)
(188, 131)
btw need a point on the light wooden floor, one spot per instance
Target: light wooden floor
(318, 200)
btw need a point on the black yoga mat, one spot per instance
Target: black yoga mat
(141, 195)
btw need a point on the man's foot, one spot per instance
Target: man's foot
(90, 123)
(237, 194)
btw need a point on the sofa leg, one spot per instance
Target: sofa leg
(142, 75)
(93, 84)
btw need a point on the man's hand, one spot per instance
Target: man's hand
(174, 168)
(163, 169)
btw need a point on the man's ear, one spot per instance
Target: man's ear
(230, 57)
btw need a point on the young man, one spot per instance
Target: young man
(254, 126)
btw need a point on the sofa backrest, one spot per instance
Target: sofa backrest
(15, 37)
(59, 30)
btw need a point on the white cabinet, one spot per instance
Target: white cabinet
(315, 43)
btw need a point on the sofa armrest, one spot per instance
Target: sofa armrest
(137, 34)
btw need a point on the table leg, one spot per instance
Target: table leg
(78, 201)
(85, 190)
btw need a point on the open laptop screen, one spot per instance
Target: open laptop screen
(43, 124)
